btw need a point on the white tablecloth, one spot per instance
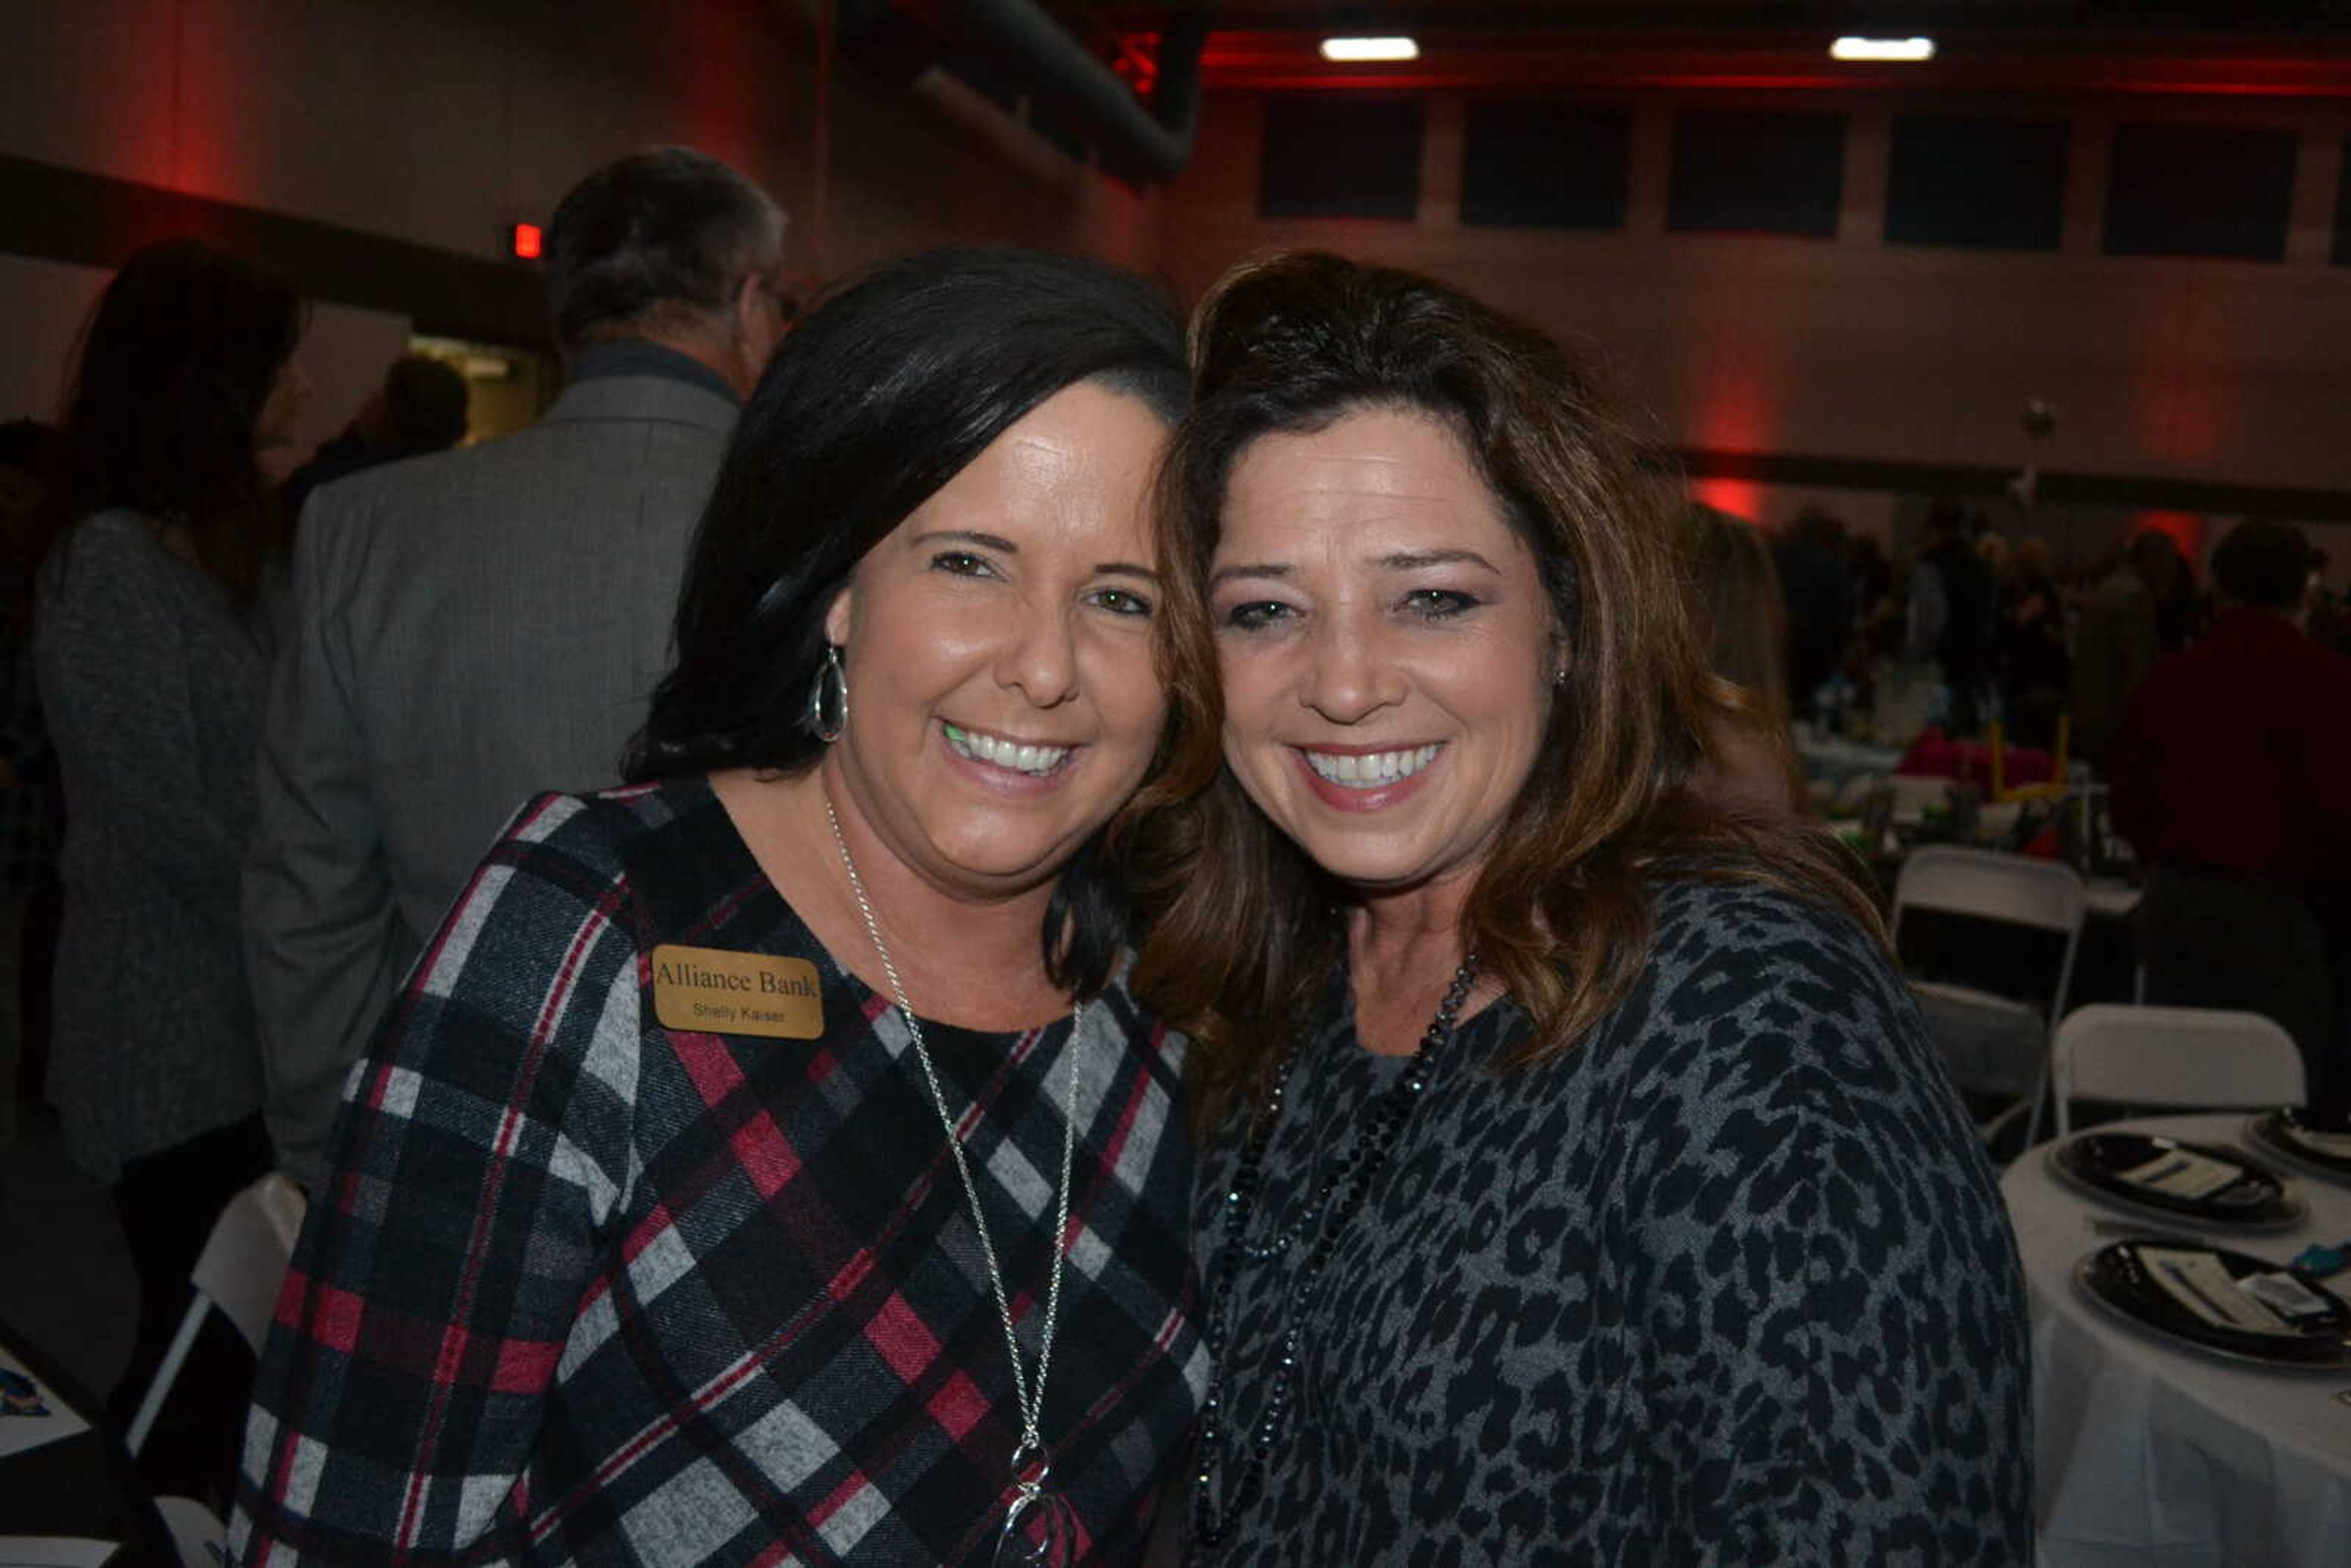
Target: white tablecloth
(1836, 760)
(2152, 1456)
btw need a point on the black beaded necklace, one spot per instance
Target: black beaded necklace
(1325, 1220)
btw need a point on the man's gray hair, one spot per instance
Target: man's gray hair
(656, 233)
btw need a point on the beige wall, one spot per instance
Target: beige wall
(444, 121)
(936, 162)
(2221, 370)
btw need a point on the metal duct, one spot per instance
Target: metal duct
(1064, 78)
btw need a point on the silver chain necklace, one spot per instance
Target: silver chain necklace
(1038, 1529)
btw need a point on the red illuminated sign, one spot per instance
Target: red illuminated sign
(525, 241)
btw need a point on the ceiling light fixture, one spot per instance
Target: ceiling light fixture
(1354, 50)
(1853, 48)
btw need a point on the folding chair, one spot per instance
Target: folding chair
(198, 1536)
(2202, 1057)
(239, 1271)
(1990, 886)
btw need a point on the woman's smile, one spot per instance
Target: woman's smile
(1367, 778)
(1006, 754)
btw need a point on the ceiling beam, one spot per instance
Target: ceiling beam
(1257, 59)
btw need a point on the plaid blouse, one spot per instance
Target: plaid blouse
(584, 1288)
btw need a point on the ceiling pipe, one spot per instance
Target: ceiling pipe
(1062, 75)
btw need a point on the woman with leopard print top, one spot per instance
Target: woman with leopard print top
(1581, 1186)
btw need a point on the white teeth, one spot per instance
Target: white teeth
(1371, 771)
(1036, 761)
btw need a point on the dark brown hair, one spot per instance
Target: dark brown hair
(174, 368)
(1243, 944)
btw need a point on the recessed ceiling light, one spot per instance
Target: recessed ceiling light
(1853, 48)
(1355, 49)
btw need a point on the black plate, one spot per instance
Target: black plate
(2187, 1292)
(2116, 1168)
(2285, 1134)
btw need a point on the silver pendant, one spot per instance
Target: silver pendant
(1040, 1532)
(1039, 1528)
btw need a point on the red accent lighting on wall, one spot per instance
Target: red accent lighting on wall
(527, 239)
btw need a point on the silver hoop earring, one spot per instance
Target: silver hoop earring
(828, 702)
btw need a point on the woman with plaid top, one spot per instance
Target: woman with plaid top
(684, 1207)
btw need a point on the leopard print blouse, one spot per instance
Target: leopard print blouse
(1728, 1284)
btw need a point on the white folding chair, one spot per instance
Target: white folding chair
(198, 1536)
(2205, 1058)
(1990, 886)
(239, 1271)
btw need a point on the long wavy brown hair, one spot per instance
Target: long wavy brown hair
(1245, 941)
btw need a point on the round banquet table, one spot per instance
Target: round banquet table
(2151, 1455)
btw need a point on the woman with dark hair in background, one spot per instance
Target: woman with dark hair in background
(2034, 664)
(1750, 763)
(1815, 585)
(152, 641)
(1583, 1185)
(767, 1159)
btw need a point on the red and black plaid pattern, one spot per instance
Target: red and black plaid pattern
(586, 1289)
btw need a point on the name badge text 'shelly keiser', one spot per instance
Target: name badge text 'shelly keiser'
(712, 991)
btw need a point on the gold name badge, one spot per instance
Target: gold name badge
(712, 991)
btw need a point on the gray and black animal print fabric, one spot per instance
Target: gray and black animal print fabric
(1728, 1284)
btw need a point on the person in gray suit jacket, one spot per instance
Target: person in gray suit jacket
(472, 627)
